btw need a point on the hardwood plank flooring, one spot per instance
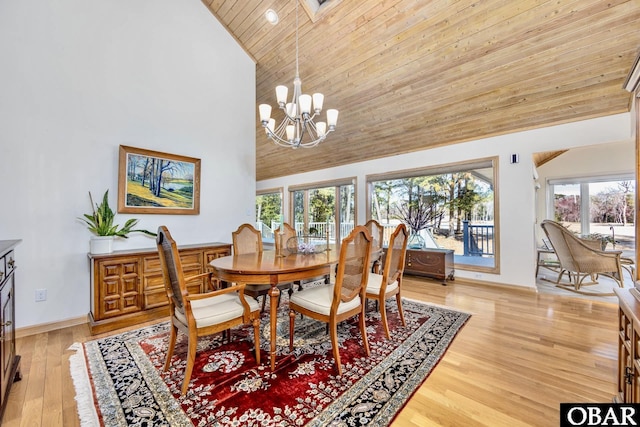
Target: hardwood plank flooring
(520, 355)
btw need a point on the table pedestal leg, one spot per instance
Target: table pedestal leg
(274, 294)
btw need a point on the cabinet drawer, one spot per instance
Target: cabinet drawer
(214, 254)
(155, 298)
(155, 294)
(158, 297)
(188, 259)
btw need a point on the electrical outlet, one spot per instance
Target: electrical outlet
(41, 295)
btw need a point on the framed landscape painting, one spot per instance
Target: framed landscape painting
(151, 182)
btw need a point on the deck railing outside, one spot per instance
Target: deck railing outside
(478, 240)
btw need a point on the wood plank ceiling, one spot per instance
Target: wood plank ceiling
(408, 75)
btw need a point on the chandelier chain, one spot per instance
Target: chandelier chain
(299, 114)
(297, 63)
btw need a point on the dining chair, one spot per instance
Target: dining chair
(334, 302)
(377, 234)
(290, 237)
(283, 242)
(381, 287)
(198, 315)
(287, 238)
(247, 240)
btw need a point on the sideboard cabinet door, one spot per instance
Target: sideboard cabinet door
(118, 282)
(628, 347)
(9, 360)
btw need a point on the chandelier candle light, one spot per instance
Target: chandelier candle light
(299, 114)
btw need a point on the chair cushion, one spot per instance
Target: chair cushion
(318, 300)
(217, 309)
(374, 283)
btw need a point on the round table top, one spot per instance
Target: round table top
(269, 262)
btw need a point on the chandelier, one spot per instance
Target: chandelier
(298, 128)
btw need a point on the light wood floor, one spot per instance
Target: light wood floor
(520, 355)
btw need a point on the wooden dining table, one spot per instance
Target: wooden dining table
(270, 268)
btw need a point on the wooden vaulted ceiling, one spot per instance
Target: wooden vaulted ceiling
(408, 75)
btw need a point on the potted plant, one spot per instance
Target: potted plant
(604, 239)
(100, 223)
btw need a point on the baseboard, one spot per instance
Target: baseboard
(48, 327)
(505, 286)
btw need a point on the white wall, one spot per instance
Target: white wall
(78, 79)
(515, 182)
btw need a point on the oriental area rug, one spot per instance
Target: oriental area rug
(119, 379)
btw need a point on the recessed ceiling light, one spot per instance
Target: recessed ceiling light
(272, 16)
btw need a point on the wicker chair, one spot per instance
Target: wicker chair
(581, 258)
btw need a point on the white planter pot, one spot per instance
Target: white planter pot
(101, 244)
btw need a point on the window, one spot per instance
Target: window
(268, 213)
(324, 207)
(447, 206)
(596, 207)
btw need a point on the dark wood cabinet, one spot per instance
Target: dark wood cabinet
(434, 263)
(9, 360)
(127, 287)
(628, 347)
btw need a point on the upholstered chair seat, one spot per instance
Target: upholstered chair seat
(319, 300)
(215, 310)
(374, 285)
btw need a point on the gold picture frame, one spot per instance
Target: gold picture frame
(152, 182)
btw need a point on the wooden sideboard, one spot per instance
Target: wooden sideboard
(127, 287)
(434, 263)
(628, 347)
(9, 360)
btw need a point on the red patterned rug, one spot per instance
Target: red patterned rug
(119, 379)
